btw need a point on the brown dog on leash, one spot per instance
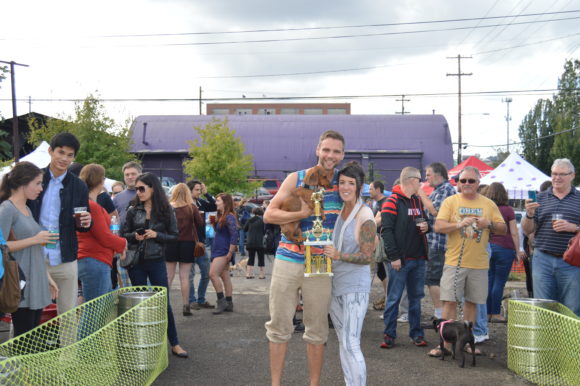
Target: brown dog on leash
(314, 179)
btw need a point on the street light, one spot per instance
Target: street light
(507, 101)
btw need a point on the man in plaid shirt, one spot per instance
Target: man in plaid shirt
(436, 176)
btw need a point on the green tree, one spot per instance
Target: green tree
(5, 146)
(218, 158)
(102, 140)
(536, 135)
(566, 115)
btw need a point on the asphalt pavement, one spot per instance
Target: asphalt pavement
(231, 349)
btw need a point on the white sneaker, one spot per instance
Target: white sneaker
(382, 316)
(480, 338)
(404, 318)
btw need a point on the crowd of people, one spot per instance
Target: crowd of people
(64, 229)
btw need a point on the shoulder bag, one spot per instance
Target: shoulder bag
(132, 256)
(199, 249)
(10, 291)
(572, 254)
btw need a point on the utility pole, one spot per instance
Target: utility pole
(402, 100)
(15, 132)
(459, 75)
(199, 100)
(508, 118)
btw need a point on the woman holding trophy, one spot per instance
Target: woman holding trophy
(354, 241)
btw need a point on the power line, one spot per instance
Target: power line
(367, 96)
(529, 140)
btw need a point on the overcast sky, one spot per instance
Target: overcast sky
(168, 49)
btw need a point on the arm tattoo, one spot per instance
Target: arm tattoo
(367, 235)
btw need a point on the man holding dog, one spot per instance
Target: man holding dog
(288, 272)
(467, 218)
(554, 278)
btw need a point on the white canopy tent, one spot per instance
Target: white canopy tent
(41, 158)
(517, 176)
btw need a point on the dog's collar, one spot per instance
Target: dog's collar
(441, 325)
(311, 187)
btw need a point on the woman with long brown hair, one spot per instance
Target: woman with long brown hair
(223, 251)
(188, 219)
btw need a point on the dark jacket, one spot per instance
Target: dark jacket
(166, 231)
(254, 229)
(74, 194)
(400, 235)
(204, 206)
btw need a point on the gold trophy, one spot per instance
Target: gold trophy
(317, 264)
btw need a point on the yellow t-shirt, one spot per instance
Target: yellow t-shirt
(453, 210)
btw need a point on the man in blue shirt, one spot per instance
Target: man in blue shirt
(54, 208)
(553, 278)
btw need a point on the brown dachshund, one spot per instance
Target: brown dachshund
(315, 178)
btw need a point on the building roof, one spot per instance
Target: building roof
(287, 141)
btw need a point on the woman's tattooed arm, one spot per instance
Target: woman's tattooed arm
(367, 236)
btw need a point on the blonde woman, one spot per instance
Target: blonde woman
(188, 220)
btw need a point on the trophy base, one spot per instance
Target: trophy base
(319, 274)
(318, 243)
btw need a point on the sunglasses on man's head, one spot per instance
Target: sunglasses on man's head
(468, 180)
(140, 189)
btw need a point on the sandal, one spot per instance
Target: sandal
(437, 352)
(467, 349)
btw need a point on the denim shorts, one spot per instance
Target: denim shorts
(434, 267)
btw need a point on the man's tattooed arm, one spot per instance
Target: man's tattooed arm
(367, 236)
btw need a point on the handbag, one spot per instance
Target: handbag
(572, 254)
(380, 254)
(132, 256)
(10, 291)
(199, 249)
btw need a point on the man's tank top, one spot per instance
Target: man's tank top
(294, 253)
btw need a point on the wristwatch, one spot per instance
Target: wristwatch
(490, 227)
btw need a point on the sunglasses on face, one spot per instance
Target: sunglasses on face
(468, 180)
(140, 189)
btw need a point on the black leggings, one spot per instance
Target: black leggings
(25, 319)
(251, 255)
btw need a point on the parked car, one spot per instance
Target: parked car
(260, 195)
(271, 186)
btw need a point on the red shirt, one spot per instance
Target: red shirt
(99, 243)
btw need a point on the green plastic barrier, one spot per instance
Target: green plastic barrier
(117, 339)
(543, 342)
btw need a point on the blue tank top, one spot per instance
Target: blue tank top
(289, 251)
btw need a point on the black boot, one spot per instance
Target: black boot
(222, 305)
(230, 306)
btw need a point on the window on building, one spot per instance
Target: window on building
(266, 111)
(337, 111)
(313, 111)
(289, 111)
(243, 111)
(219, 112)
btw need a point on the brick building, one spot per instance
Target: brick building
(278, 109)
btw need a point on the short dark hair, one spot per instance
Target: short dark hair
(354, 170)
(65, 139)
(191, 184)
(332, 134)
(258, 211)
(545, 185)
(75, 168)
(132, 165)
(439, 168)
(378, 185)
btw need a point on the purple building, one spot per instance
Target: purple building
(280, 144)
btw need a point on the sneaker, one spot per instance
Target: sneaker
(187, 310)
(404, 318)
(382, 316)
(480, 338)
(388, 341)
(419, 341)
(205, 305)
(195, 306)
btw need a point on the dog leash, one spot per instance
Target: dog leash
(461, 251)
(441, 325)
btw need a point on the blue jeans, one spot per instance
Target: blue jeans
(411, 275)
(480, 327)
(203, 263)
(557, 280)
(155, 271)
(500, 265)
(95, 277)
(242, 242)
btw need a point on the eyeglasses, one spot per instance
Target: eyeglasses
(140, 189)
(419, 178)
(468, 180)
(561, 174)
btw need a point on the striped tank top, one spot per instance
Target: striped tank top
(294, 253)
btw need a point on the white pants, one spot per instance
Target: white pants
(348, 314)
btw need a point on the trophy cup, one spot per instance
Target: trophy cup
(317, 264)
